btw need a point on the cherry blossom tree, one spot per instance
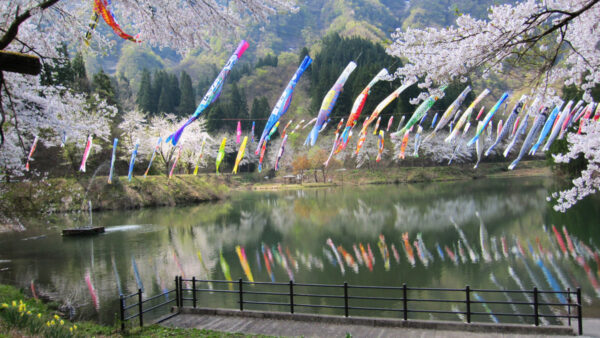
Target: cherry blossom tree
(558, 39)
(588, 144)
(137, 128)
(36, 27)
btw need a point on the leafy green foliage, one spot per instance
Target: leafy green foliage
(573, 168)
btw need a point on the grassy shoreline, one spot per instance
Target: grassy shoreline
(400, 175)
(59, 195)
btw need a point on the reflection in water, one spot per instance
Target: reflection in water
(314, 236)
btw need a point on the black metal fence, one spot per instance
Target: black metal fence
(403, 302)
(127, 305)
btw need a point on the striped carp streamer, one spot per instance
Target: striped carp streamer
(361, 140)
(112, 160)
(285, 128)
(357, 108)
(329, 103)
(101, 7)
(240, 155)
(537, 124)
(418, 141)
(487, 119)
(221, 153)
(449, 114)
(557, 126)
(546, 129)
(390, 121)
(466, 116)
(404, 143)
(132, 161)
(376, 125)
(31, 151)
(386, 102)
(284, 102)
(92, 26)
(213, 92)
(199, 157)
(421, 111)
(281, 150)
(512, 118)
(86, 153)
(175, 162)
(381, 143)
(153, 155)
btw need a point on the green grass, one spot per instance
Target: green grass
(23, 316)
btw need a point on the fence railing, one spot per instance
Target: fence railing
(360, 300)
(143, 306)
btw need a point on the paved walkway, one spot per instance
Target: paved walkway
(294, 328)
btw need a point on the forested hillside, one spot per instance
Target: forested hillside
(333, 32)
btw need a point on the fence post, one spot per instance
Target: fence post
(140, 308)
(194, 291)
(569, 305)
(291, 296)
(404, 301)
(181, 291)
(122, 308)
(177, 292)
(346, 298)
(579, 311)
(535, 306)
(468, 301)
(241, 295)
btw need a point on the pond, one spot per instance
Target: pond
(512, 240)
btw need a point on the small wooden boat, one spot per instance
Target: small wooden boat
(83, 231)
(86, 230)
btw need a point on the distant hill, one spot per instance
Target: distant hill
(374, 20)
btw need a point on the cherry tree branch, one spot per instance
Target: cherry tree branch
(13, 29)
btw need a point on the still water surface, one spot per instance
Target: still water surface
(293, 227)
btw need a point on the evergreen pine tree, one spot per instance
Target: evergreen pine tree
(187, 103)
(101, 84)
(164, 100)
(259, 113)
(60, 72)
(238, 109)
(174, 93)
(158, 82)
(144, 96)
(81, 83)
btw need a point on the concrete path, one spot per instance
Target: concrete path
(306, 328)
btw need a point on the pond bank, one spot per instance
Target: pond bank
(398, 175)
(59, 195)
